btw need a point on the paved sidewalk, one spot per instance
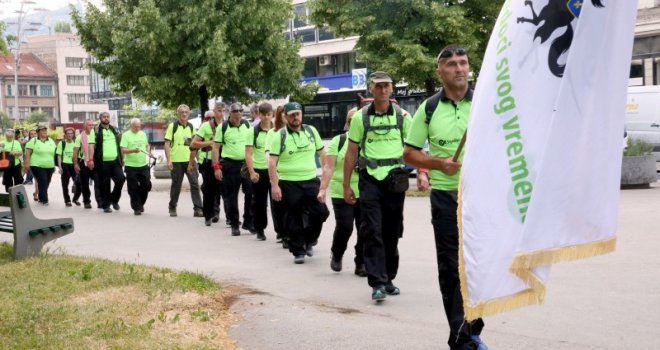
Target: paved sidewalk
(608, 302)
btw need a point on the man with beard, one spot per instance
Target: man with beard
(135, 147)
(107, 160)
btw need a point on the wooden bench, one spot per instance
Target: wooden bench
(30, 233)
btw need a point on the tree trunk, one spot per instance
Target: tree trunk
(429, 85)
(203, 100)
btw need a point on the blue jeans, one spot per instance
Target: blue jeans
(42, 176)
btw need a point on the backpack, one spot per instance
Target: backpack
(364, 162)
(175, 126)
(431, 105)
(308, 131)
(225, 125)
(342, 141)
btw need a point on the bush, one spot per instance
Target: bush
(637, 147)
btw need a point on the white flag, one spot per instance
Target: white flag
(540, 180)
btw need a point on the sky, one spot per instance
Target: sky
(7, 7)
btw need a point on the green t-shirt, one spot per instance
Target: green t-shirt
(132, 140)
(109, 144)
(78, 144)
(380, 144)
(179, 152)
(13, 146)
(297, 162)
(444, 133)
(259, 160)
(65, 149)
(43, 153)
(337, 180)
(206, 133)
(233, 141)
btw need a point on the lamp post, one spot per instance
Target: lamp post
(22, 14)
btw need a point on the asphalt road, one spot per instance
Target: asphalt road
(608, 302)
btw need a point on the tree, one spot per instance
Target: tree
(37, 117)
(182, 51)
(403, 37)
(62, 27)
(5, 121)
(4, 48)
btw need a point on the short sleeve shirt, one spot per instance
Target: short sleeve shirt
(233, 140)
(65, 149)
(43, 153)
(206, 133)
(444, 133)
(297, 162)
(258, 145)
(133, 140)
(109, 144)
(13, 146)
(337, 180)
(380, 144)
(179, 152)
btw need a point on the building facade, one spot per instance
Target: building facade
(645, 68)
(63, 53)
(37, 87)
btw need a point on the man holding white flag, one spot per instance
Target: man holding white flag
(442, 120)
(546, 126)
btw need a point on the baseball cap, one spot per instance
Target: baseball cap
(380, 77)
(292, 107)
(236, 107)
(41, 127)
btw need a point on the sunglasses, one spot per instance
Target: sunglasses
(237, 111)
(446, 53)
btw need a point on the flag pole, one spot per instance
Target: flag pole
(460, 147)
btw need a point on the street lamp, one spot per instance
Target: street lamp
(22, 14)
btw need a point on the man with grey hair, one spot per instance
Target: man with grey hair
(135, 148)
(254, 113)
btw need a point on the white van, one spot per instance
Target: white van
(643, 115)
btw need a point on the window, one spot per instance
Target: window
(77, 117)
(325, 34)
(300, 16)
(307, 35)
(22, 90)
(49, 111)
(636, 73)
(74, 62)
(46, 90)
(76, 80)
(33, 90)
(9, 90)
(76, 99)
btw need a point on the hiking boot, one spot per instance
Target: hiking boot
(310, 250)
(391, 289)
(68, 204)
(480, 344)
(115, 206)
(77, 203)
(335, 264)
(198, 213)
(172, 212)
(215, 219)
(249, 228)
(378, 294)
(88, 206)
(137, 212)
(261, 236)
(235, 231)
(227, 223)
(207, 222)
(360, 270)
(107, 210)
(299, 259)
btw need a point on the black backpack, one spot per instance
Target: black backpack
(364, 162)
(308, 131)
(225, 125)
(175, 126)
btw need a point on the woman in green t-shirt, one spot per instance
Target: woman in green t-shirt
(40, 159)
(12, 176)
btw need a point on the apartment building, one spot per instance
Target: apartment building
(64, 55)
(645, 68)
(37, 87)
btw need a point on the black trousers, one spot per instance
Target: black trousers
(82, 184)
(445, 228)
(43, 177)
(12, 177)
(345, 216)
(138, 182)
(381, 226)
(231, 183)
(68, 173)
(260, 195)
(211, 190)
(110, 171)
(303, 214)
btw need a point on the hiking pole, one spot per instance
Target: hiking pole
(152, 157)
(460, 147)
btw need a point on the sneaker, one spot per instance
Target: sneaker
(137, 212)
(198, 213)
(115, 206)
(68, 204)
(27, 183)
(227, 223)
(335, 264)
(391, 289)
(77, 203)
(107, 210)
(480, 344)
(310, 250)
(250, 228)
(360, 270)
(378, 294)
(215, 219)
(260, 235)
(88, 206)
(235, 231)
(207, 222)
(172, 212)
(299, 259)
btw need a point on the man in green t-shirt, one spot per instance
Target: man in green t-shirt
(135, 148)
(257, 165)
(177, 152)
(443, 130)
(13, 151)
(65, 163)
(293, 181)
(81, 160)
(106, 161)
(346, 215)
(228, 159)
(378, 130)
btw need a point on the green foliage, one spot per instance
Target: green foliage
(637, 147)
(167, 50)
(404, 37)
(37, 117)
(4, 48)
(62, 27)
(5, 121)
(306, 93)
